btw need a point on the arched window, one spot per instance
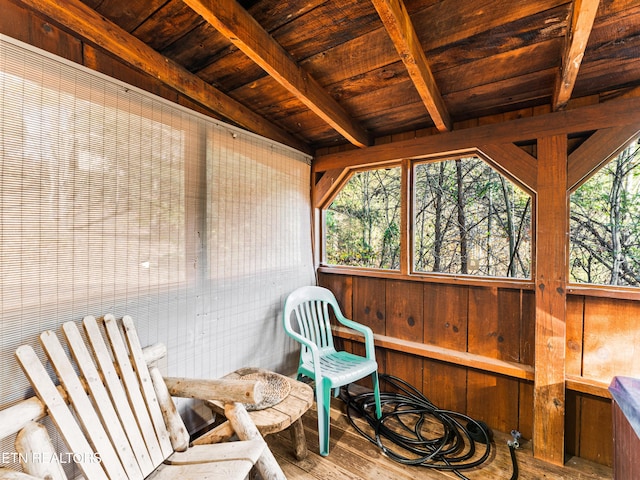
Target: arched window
(469, 219)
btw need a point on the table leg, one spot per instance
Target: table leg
(298, 439)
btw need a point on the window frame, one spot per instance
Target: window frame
(407, 208)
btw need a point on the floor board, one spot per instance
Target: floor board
(353, 457)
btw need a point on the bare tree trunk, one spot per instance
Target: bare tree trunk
(461, 220)
(614, 217)
(438, 234)
(510, 230)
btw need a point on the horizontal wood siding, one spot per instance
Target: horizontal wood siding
(497, 323)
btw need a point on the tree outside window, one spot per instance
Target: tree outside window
(605, 224)
(362, 224)
(469, 219)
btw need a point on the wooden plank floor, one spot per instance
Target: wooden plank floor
(353, 457)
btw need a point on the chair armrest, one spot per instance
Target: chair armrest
(364, 330)
(223, 389)
(313, 348)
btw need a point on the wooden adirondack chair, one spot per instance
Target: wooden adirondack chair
(117, 417)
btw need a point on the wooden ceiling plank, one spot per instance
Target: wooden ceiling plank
(597, 150)
(615, 113)
(90, 25)
(396, 20)
(582, 18)
(235, 23)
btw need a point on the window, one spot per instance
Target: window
(469, 219)
(362, 224)
(93, 189)
(605, 224)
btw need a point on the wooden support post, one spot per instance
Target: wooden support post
(246, 430)
(551, 275)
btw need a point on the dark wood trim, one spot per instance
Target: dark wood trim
(456, 357)
(447, 279)
(588, 386)
(615, 113)
(620, 293)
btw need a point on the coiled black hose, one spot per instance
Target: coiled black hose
(399, 432)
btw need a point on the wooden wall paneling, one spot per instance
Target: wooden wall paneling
(405, 320)
(495, 322)
(596, 430)
(369, 303)
(575, 322)
(18, 23)
(611, 334)
(406, 366)
(551, 272)
(493, 399)
(404, 310)
(527, 327)
(445, 315)
(494, 331)
(342, 288)
(445, 325)
(445, 385)
(525, 409)
(613, 113)
(572, 423)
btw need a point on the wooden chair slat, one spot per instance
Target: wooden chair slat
(103, 406)
(110, 406)
(146, 384)
(59, 411)
(85, 413)
(132, 387)
(118, 395)
(231, 470)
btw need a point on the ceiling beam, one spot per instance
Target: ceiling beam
(396, 20)
(615, 113)
(241, 29)
(583, 15)
(94, 28)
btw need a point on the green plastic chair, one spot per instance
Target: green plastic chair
(307, 319)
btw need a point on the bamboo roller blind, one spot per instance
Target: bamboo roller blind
(113, 200)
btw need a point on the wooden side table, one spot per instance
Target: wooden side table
(274, 419)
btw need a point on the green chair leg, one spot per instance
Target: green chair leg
(376, 393)
(323, 399)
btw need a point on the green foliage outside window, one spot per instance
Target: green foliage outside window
(362, 225)
(469, 219)
(605, 224)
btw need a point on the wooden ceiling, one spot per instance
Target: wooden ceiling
(324, 73)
